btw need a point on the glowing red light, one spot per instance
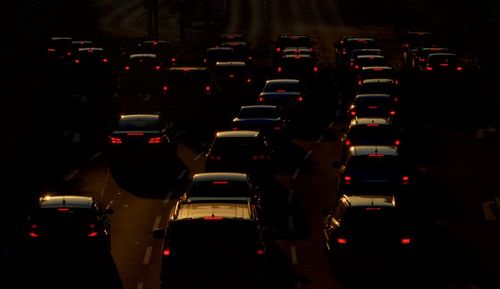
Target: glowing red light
(208, 88)
(115, 140)
(105, 60)
(372, 107)
(77, 60)
(281, 90)
(373, 209)
(353, 113)
(154, 140)
(278, 49)
(157, 67)
(347, 142)
(300, 98)
(135, 133)
(315, 69)
(166, 252)
(372, 124)
(92, 234)
(33, 235)
(459, 68)
(260, 252)
(165, 88)
(127, 68)
(279, 69)
(392, 112)
(376, 155)
(405, 241)
(220, 182)
(428, 68)
(261, 99)
(63, 209)
(212, 218)
(397, 142)
(341, 241)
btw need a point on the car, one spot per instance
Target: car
(212, 243)
(371, 72)
(91, 60)
(388, 86)
(161, 47)
(58, 47)
(369, 131)
(373, 105)
(287, 93)
(303, 66)
(298, 50)
(364, 51)
(241, 51)
(141, 139)
(222, 186)
(68, 226)
(76, 44)
(442, 65)
(242, 151)
(292, 40)
(232, 81)
(345, 46)
(143, 73)
(374, 169)
(218, 54)
(264, 118)
(363, 231)
(414, 40)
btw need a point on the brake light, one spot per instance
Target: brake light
(372, 124)
(258, 157)
(444, 64)
(63, 209)
(278, 49)
(165, 88)
(353, 113)
(249, 80)
(278, 127)
(372, 107)
(347, 180)
(77, 60)
(405, 241)
(376, 155)
(261, 99)
(281, 90)
(341, 241)
(115, 140)
(208, 89)
(33, 235)
(92, 232)
(135, 133)
(397, 142)
(212, 218)
(279, 69)
(360, 82)
(166, 252)
(356, 67)
(157, 67)
(405, 180)
(51, 50)
(220, 182)
(235, 128)
(459, 68)
(105, 60)
(260, 252)
(315, 69)
(373, 209)
(392, 112)
(173, 60)
(428, 68)
(347, 142)
(154, 140)
(300, 98)
(127, 68)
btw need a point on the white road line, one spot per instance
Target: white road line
(199, 156)
(140, 285)
(291, 224)
(147, 257)
(95, 156)
(147, 97)
(321, 138)
(290, 196)
(106, 178)
(488, 213)
(167, 198)
(296, 174)
(157, 222)
(337, 113)
(69, 176)
(339, 102)
(181, 175)
(331, 124)
(294, 255)
(309, 153)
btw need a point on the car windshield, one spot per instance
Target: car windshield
(371, 101)
(238, 146)
(258, 112)
(139, 124)
(219, 188)
(371, 135)
(284, 86)
(223, 71)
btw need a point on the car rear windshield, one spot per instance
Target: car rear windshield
(372, 101)
(377, 73)
(371, 135)
(295, 41)
(63, 217)
(374, 163)
(219, 188)
(139, 124)
(373, 218)
(187, 77)
(376, 87)
(442, 59)
(258, 112)
(238, 146)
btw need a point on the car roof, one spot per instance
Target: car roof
(226, 176)
(214, 210)
(230, 63)
(442, 54)
(365, 150)
(140, 116)
(236, 134)
(377, 68)
(370, 56)
(370, 200)
(139, 55)
(379, 80)
(282, 80)
(187, 68)
(367, 121)
(372, 95)
(258, 106)
(68, 201)
(217, 48)
(90, 49)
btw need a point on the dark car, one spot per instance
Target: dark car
(222, 186)
(372, 72)
(361, 61)
(232, 83)
(415, 40)
(373, 105)
(143, 73)
(68, 226)
(239, 151)
(241, 51)
(442, 65)
(161, 47)
(418, 56)
(364, 51)
(292, 40)
(368, 231)
(231, 37)
(213, 243)
(373, 169)
(218, 54)
(58, 47)
(369, 131)
(264, 118)
(388, 86)
(288, 94)
(303, 66)
(141, 139)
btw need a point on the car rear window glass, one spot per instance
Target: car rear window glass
(260, 112)
(219, 189)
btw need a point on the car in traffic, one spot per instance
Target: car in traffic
(67, 226)
(141, 140)
(143, 73)
(288, 94)
(442, 65)
(241, 51)
(373, 105)
(345, 46)
(412, 40)
(242, 151)
(372, 72)
(231, 37)
(218, 54)
(212, 243)
(388, 86)
(303, 66)
(161, 47)
(363, 231)
(292, 40)
(374, 169)
(418, 56)
(369, 131)
(367, 60)
(264, 118)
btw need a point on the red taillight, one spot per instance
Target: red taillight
(33, 235)
(105, 60)
(347, 180)
(392, 112)
(127, 68)
(77, 61)
(51, 50)
(260, 252)
(166, 252)
(341, 241)
(157, 67)
(281, 90)
(173, 60)
(372, 107)
(235, 128)
(217, 158)
(279, 69)
(300, 98)
(220, 182)
(428, 68)
(347, 142)
(353, 113)
(315, 69)
(405, 241)
(406, 45)
(376, 155)
(356, 67)
(63, 209)
(208, 89)
(405, 180)
(443, 64)
(213, 218)
(115, 140)
(373, 209)
(135, 133)
(360, 82)
(278, 49)
(165, 88)
(249, 80)
(261, 99)
(278, 127)
(92, 234)
(154, 140)
(459, 68)
(397, 142)
(372, 124)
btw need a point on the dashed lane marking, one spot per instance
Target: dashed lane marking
(294, 255)
(308, 155)
(199, 156)
(296, 174)
(94, 157)
(147, 256)
(181, 175)
(69, 176)
(157, 222)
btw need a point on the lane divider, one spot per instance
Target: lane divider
(147, 256)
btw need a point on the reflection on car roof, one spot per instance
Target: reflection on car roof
(68, 201)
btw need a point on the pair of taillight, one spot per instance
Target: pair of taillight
(33, 233)
(167, 252)
(403, 241)
(405, 180)
(152, 140)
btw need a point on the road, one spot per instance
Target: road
(457, 197)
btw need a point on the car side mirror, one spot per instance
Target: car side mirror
(158, 233)
(336, 164)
